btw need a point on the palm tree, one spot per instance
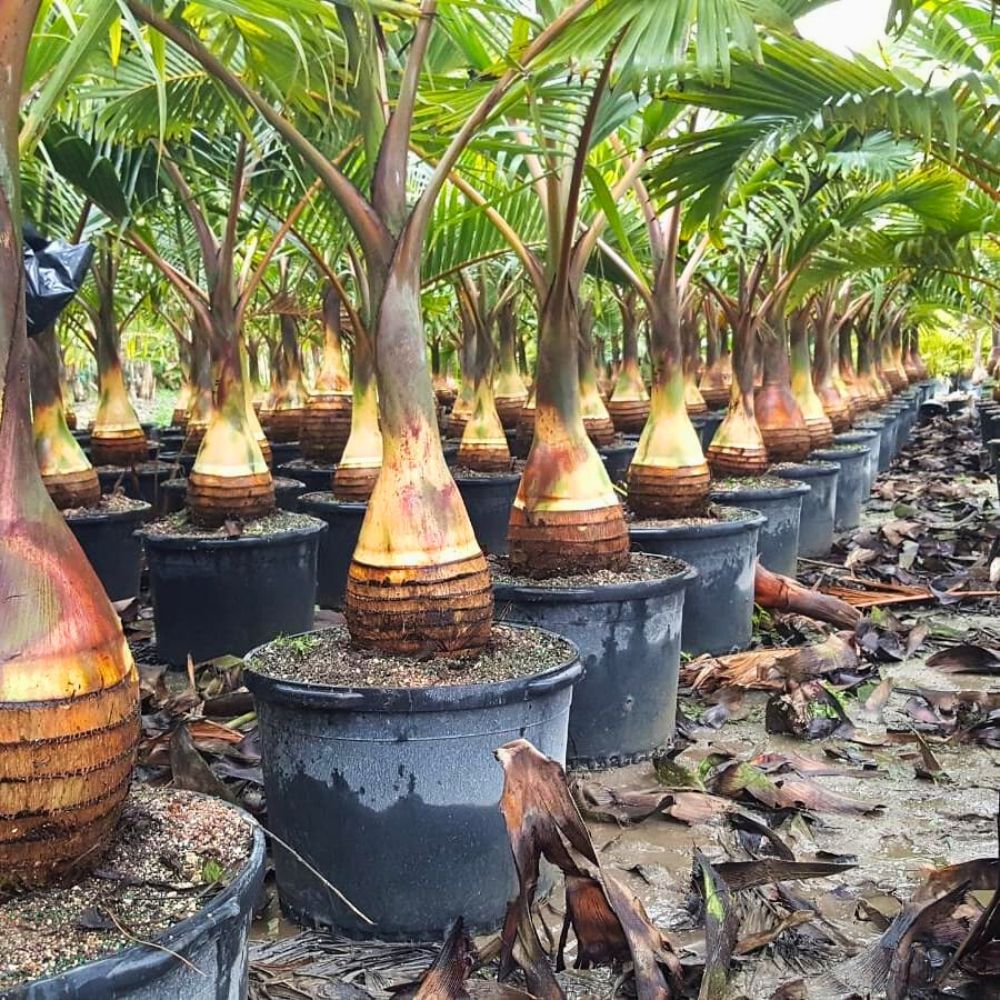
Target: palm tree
(69, 711)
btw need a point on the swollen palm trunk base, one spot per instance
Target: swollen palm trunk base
(782, 426)
(551, 542)
(509, 408)
(286, 424)
(714, 395)
(629, 416)
(354, 483)
(484, 455)
(118, 447)
(213, 500)
(656, 491)
(81, 488)
(440, 608)
(836, 407)
(820, 431)
(326, 426)
(600, 430)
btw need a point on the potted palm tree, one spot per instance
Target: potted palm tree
(69, 705)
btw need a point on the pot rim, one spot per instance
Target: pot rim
(126, 470)
(845, 450)
(314, 498)
(290, 474)
(110, 516)
(742, 494)
(443, 698)
(486, 479)
(617, 449)
(717, 529)
(188, 542)
(600, 593)
(862, 433)
(815, 467)
(139, 964)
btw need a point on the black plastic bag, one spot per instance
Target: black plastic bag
(54, 272)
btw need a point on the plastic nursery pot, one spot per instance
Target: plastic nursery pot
(283, 452)
(930, 409)
(82, 436)
(141, 482)
(215, 595)
(179, 461)
(781, 505)
(108, 540)
(392, 795)
(852, 483)
(885, 428)
(722, 548)
(618, 457)
(450, 451)
(870, 439)
(174, 494)
(629, 637)
(989, 421)
(710, 424)
(204, 957)
(336, 546)
(287, 492)
(488, 499)
(819, 506)
(316, 478)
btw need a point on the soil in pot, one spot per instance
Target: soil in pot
(780, 501)
(316, 476)
(817, 525)
(488, 498)
(106, 533)
(722, 547)
(226, 590)
(182, 872)
(141, 482)
(627, 626)
(852, 483)
(379, 772)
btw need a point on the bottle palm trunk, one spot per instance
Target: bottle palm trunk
(69, 690)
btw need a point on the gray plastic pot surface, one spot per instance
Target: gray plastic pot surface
(852, 483)
(819, 505)
(629, 637)
(205, 957)
(488, 501)
(718, 605)
(393, 796)
(871, 441)
(778, 542)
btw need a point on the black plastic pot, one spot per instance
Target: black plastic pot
(629, 637)
(989, 421)
(392, 795)
(710, 424)
(283, 452)
(179, 461)
(336, 546)
(852, 483)
(871, 441)
(174, 494)
(718, 606)
(618, 457)
(226, 595)
(82, 436)
(144, 482)
(819, 505)
(287, 492)
(109, 542)
(778, 541)
(315, 477)
(450, 451)
(488, 499)
(994, 446)
(204, 957)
